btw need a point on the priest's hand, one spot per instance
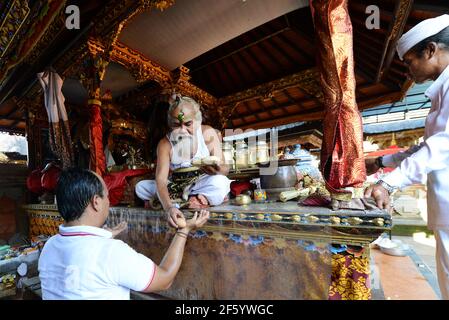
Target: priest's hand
(380, 195)
(371, 166)
(211, 169)
(176, 218)
(197, 221)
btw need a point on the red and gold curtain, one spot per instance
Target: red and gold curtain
(342, 160)
(97, 158)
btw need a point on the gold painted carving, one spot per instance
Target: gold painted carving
(307, 80)
(129, 9)
(141, 68)
(400, 17)
(12, 22)
(55, 28)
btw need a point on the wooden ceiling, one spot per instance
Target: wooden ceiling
(267, 75)
(285, 46)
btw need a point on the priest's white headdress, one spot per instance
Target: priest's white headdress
(420, 32)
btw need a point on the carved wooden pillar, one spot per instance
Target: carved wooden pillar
(94, 67)
(30, 116)
(36, 123)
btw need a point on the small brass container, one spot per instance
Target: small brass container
(243, 199)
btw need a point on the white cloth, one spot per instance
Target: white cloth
(442, 261)
(84, 262)
(202, 151)
(52, 83)
(420, 32)
(431, 160)
(214, 188)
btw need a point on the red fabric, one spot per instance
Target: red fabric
(342, 159)
(316, 200)
(97, 158)
(116, 183)
(34, 183)
(237, 187)
(383, 152)
(50, 177)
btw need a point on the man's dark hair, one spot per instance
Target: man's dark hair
(76, 188)
(441, 38)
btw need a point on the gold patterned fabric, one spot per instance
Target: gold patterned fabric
(350, 278)
(342, 160)
(181, 183)
(61, 142)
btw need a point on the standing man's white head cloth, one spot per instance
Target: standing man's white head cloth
(420, 32)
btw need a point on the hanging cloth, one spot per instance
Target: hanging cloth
(60, 140)
(342, 159)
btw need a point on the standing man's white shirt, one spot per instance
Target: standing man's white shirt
(84, 262)
(431, 160)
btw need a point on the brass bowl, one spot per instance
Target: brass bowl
(243, 199)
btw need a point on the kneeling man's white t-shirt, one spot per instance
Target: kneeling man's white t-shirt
(84, 262)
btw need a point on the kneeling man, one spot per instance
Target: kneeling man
(187, 142)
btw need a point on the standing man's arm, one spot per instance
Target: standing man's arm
(390, 160)
(394, 160)
(432, 155)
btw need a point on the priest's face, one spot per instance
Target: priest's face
(182, 120)
(182, 131)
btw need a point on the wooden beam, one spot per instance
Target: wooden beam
(362, 26)
(253, 112)
(222, 77)
(272, 41)
(308, 42)
(236, 60)
(426, 11)
(265, 109)
(371, 37)
(365, 58)
(360, 9)
(5, 117)
(269, 110)
(278, 106)
(384, 99)
(243, 57)
(268, 52)
(402, 12)
(233, 79)
(314, 114)
(306, 80)
(258, 62)
(248, 46)
(13, 125)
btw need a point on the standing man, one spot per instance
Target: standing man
(425, 50)
(84, 262)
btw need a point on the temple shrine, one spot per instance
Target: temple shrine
(283, 82)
